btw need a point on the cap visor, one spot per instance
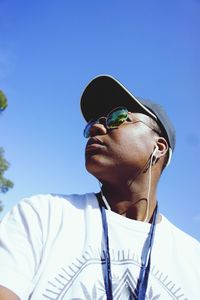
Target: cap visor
(105, 93)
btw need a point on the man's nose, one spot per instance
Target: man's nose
(99, 128)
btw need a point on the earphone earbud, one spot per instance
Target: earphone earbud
(156, 148)
(154, 157)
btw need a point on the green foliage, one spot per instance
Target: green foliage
(3, 101)
(5, 184)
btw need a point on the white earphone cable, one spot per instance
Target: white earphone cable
(104, 198)
(149, 185)
(148, 191)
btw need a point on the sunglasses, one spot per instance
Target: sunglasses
(113, 120)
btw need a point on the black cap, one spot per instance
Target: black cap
(105, 93)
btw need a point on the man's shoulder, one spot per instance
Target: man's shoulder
(43, 209)
(57, 200)
(180, 237)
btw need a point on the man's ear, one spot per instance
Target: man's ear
(161, 148)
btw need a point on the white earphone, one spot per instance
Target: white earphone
(153, 156)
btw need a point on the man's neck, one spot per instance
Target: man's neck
(131, 203)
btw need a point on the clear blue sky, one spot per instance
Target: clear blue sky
(49, 50)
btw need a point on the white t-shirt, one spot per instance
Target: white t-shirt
(51, 248)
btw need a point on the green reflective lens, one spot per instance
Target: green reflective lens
(117, 117)
(114, 119)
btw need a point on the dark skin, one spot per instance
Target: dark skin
(120, 158)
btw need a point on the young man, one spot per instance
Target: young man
(113, 245)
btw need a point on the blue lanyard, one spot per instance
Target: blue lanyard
(145, 268)
(107, 266)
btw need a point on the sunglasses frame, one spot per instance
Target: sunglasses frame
(88, 126)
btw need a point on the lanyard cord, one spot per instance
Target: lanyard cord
(107, 267)
(144, 274)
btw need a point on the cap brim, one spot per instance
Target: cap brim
(105, 93)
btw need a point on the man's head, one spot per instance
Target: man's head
(104, 94)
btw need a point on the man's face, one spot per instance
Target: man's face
(119, 154)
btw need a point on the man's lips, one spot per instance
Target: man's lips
(94, 140)
(94, 143)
